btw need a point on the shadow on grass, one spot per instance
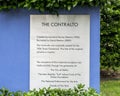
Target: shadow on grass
(110, 83)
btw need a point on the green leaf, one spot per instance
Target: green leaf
(68, 7)
(33, 1)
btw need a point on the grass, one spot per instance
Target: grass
(110, 87)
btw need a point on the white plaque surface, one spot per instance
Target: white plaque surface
(59, 51)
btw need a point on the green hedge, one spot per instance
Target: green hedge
(110, 35)
(46, 5)
(77, 91)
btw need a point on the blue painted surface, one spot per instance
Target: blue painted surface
(15, 46)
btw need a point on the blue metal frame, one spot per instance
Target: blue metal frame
(15, 47)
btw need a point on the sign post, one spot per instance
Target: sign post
(42, 50)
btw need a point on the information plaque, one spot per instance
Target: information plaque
(59, 51)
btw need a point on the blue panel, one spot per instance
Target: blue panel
(14, 50)
(15, 42)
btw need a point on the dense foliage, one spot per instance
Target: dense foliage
(110, 34)
(45, 5)
(77, 91)
(110, 21)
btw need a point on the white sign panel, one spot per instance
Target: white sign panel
(59, 51)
